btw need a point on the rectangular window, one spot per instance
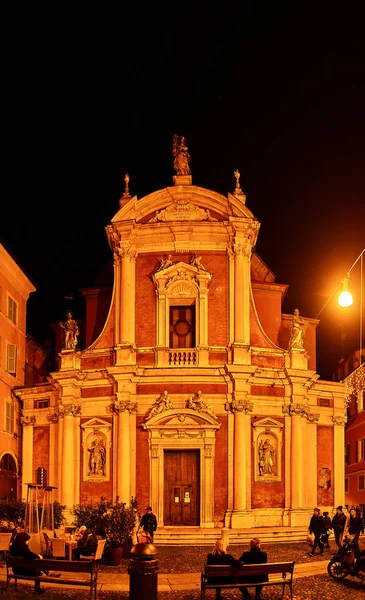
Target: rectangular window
(361, 483)
(11, 359)
(12, 310)
(42, 403)
(347, 454)
(346, 485)
(9, 417)
(360, 450)
(182, 326)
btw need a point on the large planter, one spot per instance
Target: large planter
(113, 556)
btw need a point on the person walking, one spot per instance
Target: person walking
(149, 521)
(253, 557)
(316, 526)
(353, 528)
(327, 528)
(338, 525)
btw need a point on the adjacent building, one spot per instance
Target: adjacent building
(15, 288)
(195, 394)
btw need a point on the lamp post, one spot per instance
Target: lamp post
(345, 298)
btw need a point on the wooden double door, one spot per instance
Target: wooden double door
(181, 487)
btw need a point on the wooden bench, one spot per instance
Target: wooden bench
(89, 567)
(280, 573)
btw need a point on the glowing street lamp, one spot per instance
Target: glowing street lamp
(345, 299)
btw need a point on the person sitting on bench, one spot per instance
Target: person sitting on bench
(253, 557)
(21, 549)
(219, 556)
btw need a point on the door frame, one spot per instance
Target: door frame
(183, 429)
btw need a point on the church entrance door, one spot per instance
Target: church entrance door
(181, 487)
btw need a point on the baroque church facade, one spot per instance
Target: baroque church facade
(198, 397)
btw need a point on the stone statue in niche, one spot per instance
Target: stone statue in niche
(97, 457)
(70, 331)
(266, 456)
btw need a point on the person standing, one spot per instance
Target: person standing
(316, 526)
(218, 556)
(255, 556)
(327, 528)
(338, 525)
(149, 521)
(353, 528)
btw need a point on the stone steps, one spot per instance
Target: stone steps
(195, 536)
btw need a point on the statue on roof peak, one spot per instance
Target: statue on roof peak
(181, 155)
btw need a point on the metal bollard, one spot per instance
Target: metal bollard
(142, 571)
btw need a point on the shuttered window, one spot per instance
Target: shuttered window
(9, 417)
(11, 359)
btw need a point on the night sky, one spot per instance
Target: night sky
(276, 92)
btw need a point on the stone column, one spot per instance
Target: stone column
(241, 462)
(67, 413)
(27, 451)
(124, 410)
(242, 251)
(339, 458)
(77, 459)
(127, 295)
(297, 454)
(53, 475)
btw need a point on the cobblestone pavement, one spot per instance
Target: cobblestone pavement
(178, 561)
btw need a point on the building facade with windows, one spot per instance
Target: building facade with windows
(197, 396)
(15, 288)
(355, 437)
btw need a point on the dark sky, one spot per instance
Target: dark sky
(276, 90)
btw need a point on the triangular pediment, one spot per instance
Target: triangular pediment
(267, 422)
(96, 422)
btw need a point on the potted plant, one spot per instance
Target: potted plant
(119, 521)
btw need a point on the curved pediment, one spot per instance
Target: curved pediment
(181, 419)
(183, 203)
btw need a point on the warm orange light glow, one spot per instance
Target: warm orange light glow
(345, 299)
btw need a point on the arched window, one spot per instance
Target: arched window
(8, 463)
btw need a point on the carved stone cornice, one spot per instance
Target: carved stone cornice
(182, 210)
(245, 406)
(66, 410)
(120, 406)
(27, 420)
(339, 420)
(181, 434)
(301, 410)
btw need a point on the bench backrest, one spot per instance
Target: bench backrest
(265, 568)
(69, 566)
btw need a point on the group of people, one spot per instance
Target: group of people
(254, 556)
(321, 526)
